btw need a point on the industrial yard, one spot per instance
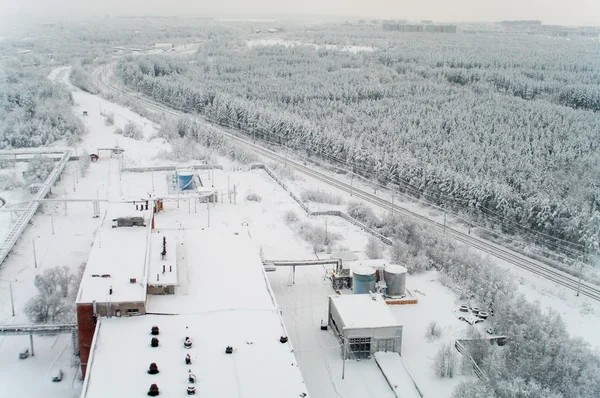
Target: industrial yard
(340, 324)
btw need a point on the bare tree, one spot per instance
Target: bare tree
(373, 248)
(54, 301)
(43, 308)
(444, 362)
(434, 331)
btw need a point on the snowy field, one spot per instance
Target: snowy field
(303, 303)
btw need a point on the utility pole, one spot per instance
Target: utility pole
(579, 282)
(34, 255)
(228, 189)
(235, 195)
(444, 221)
(12, 303)
(52, 221)
(351, 184)
(344, 361)
(152, 180)
(74, 190)
(208, 210)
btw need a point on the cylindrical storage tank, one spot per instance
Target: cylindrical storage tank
(185, 180)
(395, 279)
(363, 280)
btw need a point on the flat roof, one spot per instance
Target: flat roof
(260, 366)
(363, 311)
(118, 254)
(223, 298)
(219, 268)
(378, 263)
(162, 269)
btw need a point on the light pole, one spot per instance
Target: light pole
(12, 302)
(579, 281)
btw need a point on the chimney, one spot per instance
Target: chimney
(157, 277)
(170, 268)
(110, 290)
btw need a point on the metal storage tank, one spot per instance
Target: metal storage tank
(185, 179)
(363, 280)
(395, 279)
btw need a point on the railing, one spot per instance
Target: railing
(336, 213)
(476, 369)
(23, 220)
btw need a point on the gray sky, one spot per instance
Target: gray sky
(565, 12)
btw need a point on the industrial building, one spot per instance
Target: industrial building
(364, 324)
(205, 286)
(396, 26)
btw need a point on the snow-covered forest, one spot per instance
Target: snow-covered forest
(501, 126)
(32, 110)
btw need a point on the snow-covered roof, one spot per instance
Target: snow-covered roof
(378, 263)
(363, 311)
(118, 255)
(260, 366)
(162, 269)
(221, 269)
(223, 298)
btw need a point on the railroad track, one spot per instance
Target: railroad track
(535, 267)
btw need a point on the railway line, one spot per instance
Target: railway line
(533, 266)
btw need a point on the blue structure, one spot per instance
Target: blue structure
(185, 180)
(363, 280)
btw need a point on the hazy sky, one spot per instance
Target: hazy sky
(566, 12)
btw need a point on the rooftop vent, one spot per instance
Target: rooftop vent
(153, 368)
(187, 343)
(188, 359)
(154, 342)
(154, 331)
(153, 391)
(132, 280)
(191, 377)
(191, 390)
(229, 350)
(283, 339)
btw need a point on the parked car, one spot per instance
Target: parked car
(24, 354)
(58, 376)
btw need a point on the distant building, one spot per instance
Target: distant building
(272, 30)
(395, 26)
(520, 23)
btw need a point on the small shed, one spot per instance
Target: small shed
(364, 324)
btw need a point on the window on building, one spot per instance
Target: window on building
(359, 348)
(132, 310)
